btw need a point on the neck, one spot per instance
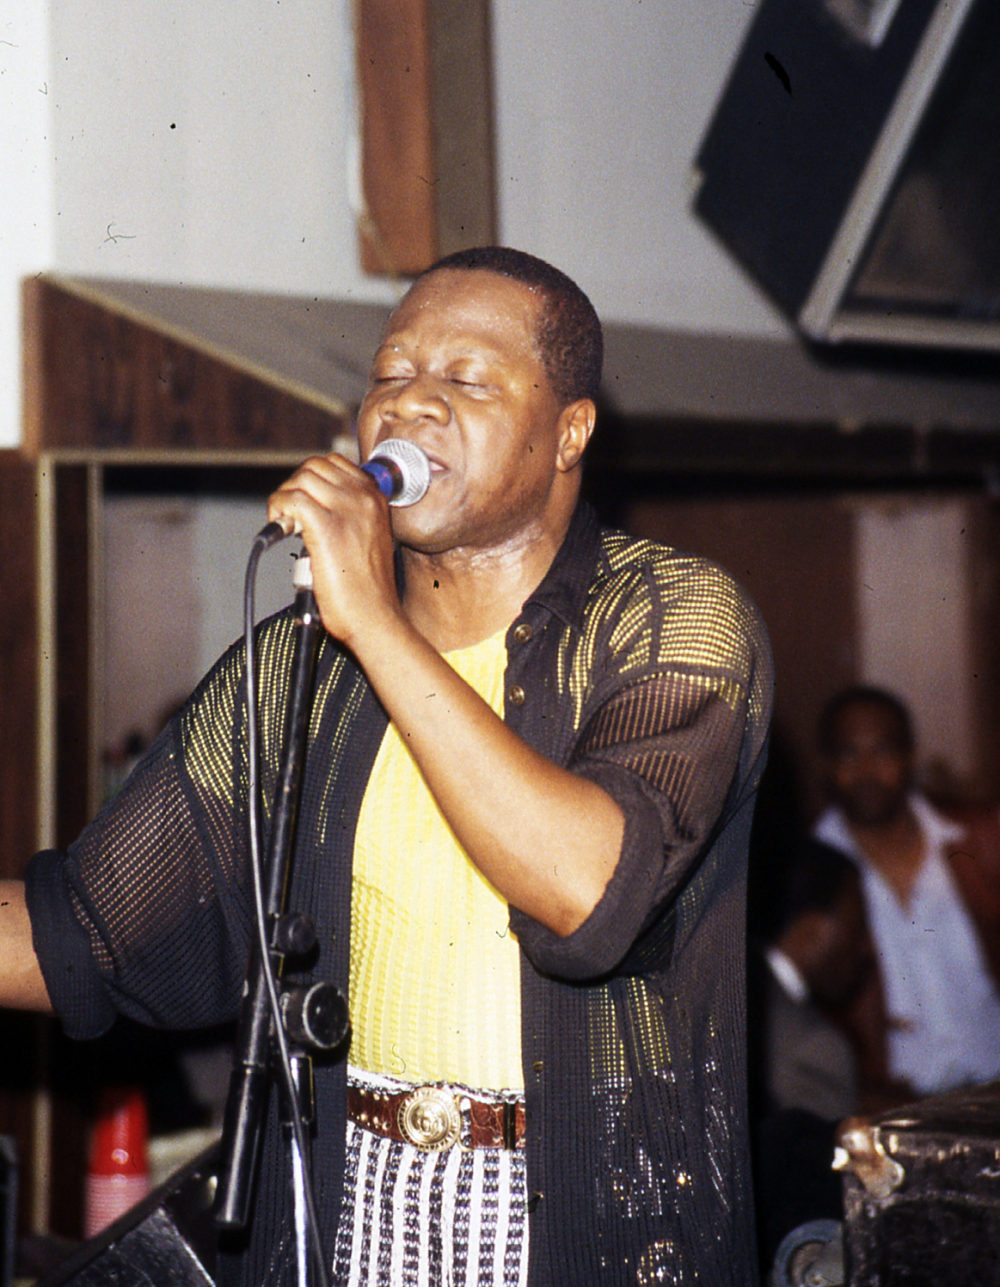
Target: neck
(886, 833)
(460, 597)
(895, 848)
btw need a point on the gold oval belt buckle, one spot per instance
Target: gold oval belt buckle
(429, 1118)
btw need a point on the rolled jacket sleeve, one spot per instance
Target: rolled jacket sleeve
(147, 913)
(129, 920)
(669, 725)
(672, 785)
(76, 988)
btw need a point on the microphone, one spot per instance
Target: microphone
(399, 468)
(401, 471)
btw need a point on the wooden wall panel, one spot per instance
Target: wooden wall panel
(984, 670)
(76, 774)
(397, 232)
(795, 556)
(97, 378)
(19, 1034)
(18, 663)
(31, 1097)
(463, 128)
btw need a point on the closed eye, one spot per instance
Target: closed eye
(472, 384)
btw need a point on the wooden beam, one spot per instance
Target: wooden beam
(425, 87)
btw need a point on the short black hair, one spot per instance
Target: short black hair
(569, 336)
(863, 695)
(813, 880)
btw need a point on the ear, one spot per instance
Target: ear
(576, 424)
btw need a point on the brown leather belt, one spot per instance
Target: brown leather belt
(435, 1117)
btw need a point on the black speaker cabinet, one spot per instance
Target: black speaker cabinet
(852, 166)
(168, 1238)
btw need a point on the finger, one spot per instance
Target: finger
(318, 485)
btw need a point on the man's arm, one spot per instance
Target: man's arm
(545, 838)
(21, 984)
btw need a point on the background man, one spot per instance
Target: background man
(818, 956)
(804, 1068)
(932, 893)
(533, 755)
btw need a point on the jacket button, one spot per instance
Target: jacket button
(516, 695)
(523, 632)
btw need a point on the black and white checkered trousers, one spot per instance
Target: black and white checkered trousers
(455, 1217)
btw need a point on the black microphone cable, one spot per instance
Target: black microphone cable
(260, 544)
(401, 470)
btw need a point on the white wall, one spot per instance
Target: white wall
(207, 143)
(26, 167)
(211, 142)
(601, 107)
(149, 613)
(915, 622)
(172, 602)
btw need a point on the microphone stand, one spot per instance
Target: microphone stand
(314, 1018)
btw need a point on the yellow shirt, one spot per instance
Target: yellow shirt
(435, 972)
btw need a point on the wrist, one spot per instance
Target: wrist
(381, 641)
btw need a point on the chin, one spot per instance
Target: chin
(419, 532)
(873, 814)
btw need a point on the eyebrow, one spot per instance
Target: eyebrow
(479, 353)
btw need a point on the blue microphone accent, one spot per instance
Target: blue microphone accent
(386, 475)
(400, 469)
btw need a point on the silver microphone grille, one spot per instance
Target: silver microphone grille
(413, 465)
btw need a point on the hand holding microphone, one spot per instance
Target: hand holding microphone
(350, 564)
(399, 468)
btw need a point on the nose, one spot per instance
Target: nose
(418, 398)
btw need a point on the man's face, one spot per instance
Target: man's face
(459, 373)
(870, 769)
(842, 951)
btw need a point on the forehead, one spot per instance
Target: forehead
(471, 307)
(868, 722)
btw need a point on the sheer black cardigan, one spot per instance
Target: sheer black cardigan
(642, 668)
